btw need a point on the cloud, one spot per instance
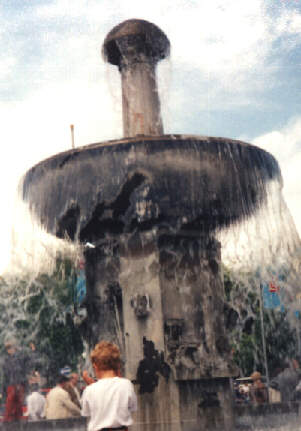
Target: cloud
(285, 145)
(217, 37)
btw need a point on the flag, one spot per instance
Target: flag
(80, 287)
(273, 287)
(270, 297)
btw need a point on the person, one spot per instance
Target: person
(87, 378)
(75, 397)
(71, 391)
(258, 390)
(37, 362)
(110, 401)
(245, 391)
(15, 368)
(58, 402)
(35, 403)
(287, 380)
(73, 383)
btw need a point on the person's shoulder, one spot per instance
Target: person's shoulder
(57, 390)
(125, 379)
(125, 382)
(29, 398)
(50, 394)
(90, 388)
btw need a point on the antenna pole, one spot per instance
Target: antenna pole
(72, 135)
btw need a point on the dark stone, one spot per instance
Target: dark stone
(146, 39)
(67, 226)
(231, 317)
(141, 305)
(74, 191)
(222, 345)
(148, 369)
(208, 399)
(248, 325)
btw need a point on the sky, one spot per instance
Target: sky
(234, 72)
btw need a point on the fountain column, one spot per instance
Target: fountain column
(171, 282)
(159, 295)
(136, 53)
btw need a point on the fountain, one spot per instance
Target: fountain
(151, 205)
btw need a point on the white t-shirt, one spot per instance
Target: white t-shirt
(109, 402)
(35, 406)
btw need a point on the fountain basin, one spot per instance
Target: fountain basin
(185, 182)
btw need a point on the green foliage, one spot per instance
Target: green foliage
(41, 311)
(246, 336)
(244, 354)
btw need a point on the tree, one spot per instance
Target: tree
(41, 310)
(244, 329)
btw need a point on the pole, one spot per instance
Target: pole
(264, 347)
(298, 329)
(72, 135)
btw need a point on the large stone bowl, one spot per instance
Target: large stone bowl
(171, 181)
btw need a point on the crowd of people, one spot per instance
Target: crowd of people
(108, 400)
(285, 386)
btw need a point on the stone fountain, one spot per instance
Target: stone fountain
(151, 205)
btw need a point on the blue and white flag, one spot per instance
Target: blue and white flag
(270, 297)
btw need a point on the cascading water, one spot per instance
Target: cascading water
(263, 255)
(162, 213)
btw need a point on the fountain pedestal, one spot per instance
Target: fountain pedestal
(159, 295)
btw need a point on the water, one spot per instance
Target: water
(264, 251)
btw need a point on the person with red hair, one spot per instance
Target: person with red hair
(110, 401)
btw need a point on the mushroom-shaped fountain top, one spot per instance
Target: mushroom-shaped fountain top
(134, 40)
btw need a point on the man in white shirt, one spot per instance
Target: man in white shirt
(35, 404)
(110, 401)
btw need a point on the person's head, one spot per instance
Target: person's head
(10, 345)
(74, 379)
(62, 380)
(66, 371)
(34, 387)
(106, 357)
(32, 347)
(256, 376)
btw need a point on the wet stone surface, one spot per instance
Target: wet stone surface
(277, 417)
(121, 186)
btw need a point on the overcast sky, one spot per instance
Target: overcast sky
(234, 71)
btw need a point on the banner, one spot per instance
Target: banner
(80, 286)
(270, 296)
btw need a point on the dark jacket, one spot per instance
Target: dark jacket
(259, 394)
(15, 368)
(286, 383)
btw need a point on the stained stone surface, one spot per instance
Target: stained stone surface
(276, 417)
(136, 46)
(184, 182)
